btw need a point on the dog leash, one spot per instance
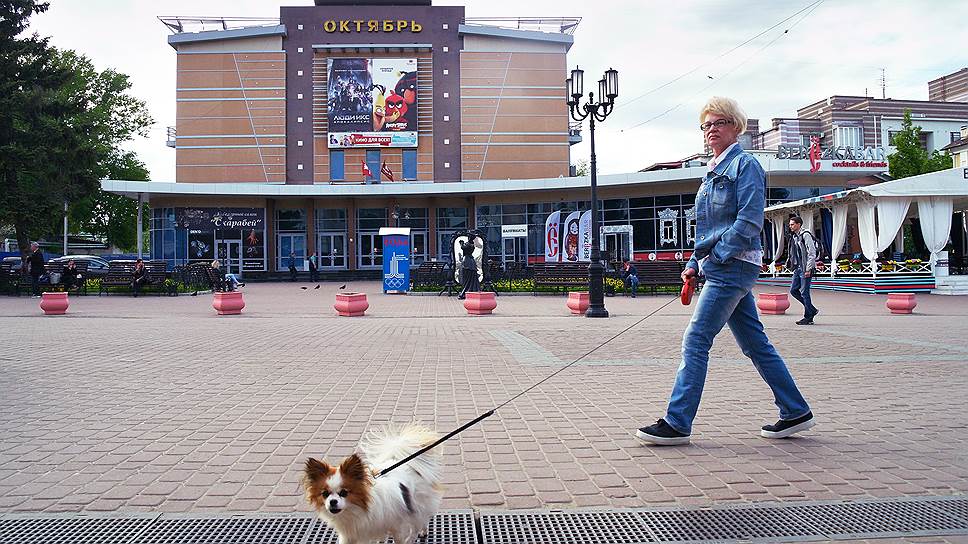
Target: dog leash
(490, 412)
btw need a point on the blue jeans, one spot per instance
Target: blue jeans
(633, 281)
(726, 299)
(231, 282)
(800, 289)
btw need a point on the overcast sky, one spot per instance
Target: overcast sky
(839, 47)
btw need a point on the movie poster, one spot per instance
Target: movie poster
(372, 102)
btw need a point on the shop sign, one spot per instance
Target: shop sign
(220, 218)
(514, 231)
(841, 156)
(360, 25)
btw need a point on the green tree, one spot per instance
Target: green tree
(61, 122)
(581, 168)
(911, 159)
(110, 216)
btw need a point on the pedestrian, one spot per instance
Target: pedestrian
(803, 262)
(35, 267)
(139, 277)
(630, 276)
(313, 267)
(729, 221)
(292, 266)
(468, 274)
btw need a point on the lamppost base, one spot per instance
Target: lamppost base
(596, 312)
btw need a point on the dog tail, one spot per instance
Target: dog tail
(386, 445)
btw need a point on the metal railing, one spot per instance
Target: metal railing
(561, 25)
(172, 137)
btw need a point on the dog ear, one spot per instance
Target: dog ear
(354, 468)
(316, 469)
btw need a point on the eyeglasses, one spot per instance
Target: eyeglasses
(717, 123)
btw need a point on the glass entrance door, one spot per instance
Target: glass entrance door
(418, 247)
(514, 250)
(229, 253)
(616, 247)
(370, 251)
(332, 251)
(291, 243)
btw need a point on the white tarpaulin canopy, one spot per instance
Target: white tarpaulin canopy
(937, 195)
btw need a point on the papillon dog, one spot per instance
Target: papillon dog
(363, 507)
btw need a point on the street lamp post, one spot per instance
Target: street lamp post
(607, 92)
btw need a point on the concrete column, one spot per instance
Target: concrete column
(141, 241)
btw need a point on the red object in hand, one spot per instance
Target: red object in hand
(688, 288)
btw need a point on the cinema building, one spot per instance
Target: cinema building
(312, 131)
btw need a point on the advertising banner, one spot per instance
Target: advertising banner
(372, 102)
(552, 230)
(220, 218)
(396, 262)
(570, 238)
(585, 237)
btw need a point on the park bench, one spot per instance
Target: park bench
(120, 275)
(10, 279)
(429, 274)
(560, 275)
(653, 274)
(57, 267)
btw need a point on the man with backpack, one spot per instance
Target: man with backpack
(803, 262)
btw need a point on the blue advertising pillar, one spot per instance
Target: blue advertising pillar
(396, 259)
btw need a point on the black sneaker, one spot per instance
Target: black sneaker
(816, 312)
(805, 321)
(784, 428)
(661, 434)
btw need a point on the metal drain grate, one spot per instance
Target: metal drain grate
(71, 529)
(773, 522)
(451, 527)
(622, 527)
(867, 519)
(226, 530)
(954, 507)
(723, 524)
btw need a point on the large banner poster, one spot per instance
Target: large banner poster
(552, 229)
(372, 102)
(570, 239)
(396, 263)
(585, 237)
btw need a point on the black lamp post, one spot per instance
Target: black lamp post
(607, 92)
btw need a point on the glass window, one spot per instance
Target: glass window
(337, 165)
(616, 204)
(415, 218)
(955, 136)
(331, 219)
(451, 218)
(290, 219)
(371, 219)
(848, 137)
(643, 202)
(409, 164)
(373, 163)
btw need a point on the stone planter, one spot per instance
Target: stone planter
(772, 303)
(901, 303)
(480, 302)
(351, 304)
(230, 303)
(54, 303)
(578, 302)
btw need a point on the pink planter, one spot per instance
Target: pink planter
(54, 303)
(480, 302)
(772, 303)
(578, 302)
(230, 303)
(351, 304)
(901, 303)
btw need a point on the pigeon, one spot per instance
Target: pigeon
(304, 288)
(195, 294)
(317, 287)
(342, 286)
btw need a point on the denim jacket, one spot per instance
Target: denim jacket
(729, 209)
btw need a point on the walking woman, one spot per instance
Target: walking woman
(729, 220)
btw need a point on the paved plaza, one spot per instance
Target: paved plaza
(157, 404)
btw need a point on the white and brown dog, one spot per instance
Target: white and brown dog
(363, 508)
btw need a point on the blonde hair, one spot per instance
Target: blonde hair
(216, 264)
(728, 108)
